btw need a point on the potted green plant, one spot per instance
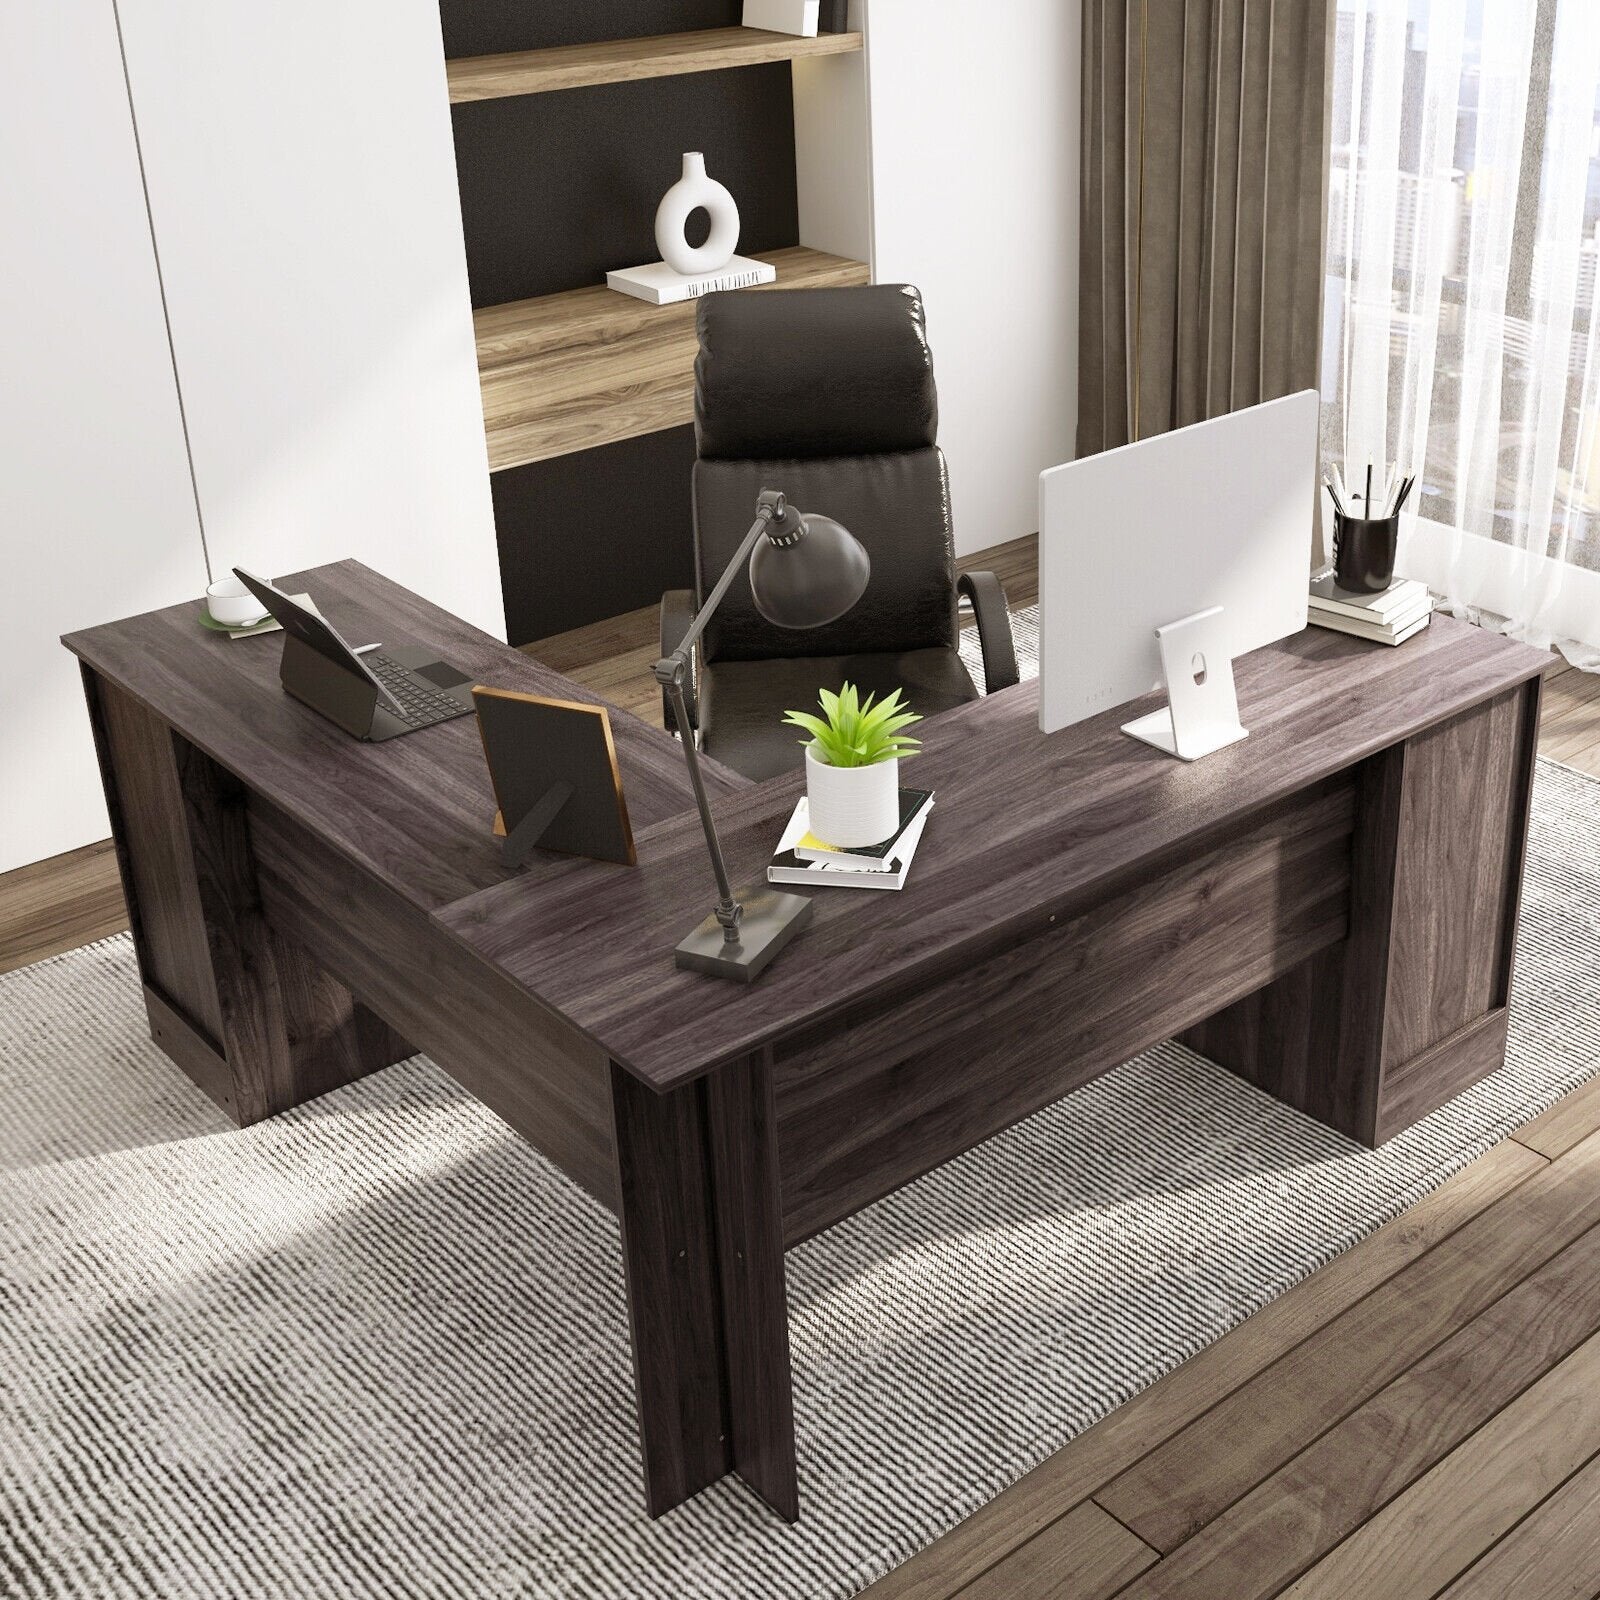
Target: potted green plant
(853, 764)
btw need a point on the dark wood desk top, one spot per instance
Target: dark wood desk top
(417, 810)
(1026, 828)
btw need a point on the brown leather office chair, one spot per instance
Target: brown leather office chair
(828, 395)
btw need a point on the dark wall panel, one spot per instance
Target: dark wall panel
(488, 27)
(555, 190)
(594, 534)
(558, 189)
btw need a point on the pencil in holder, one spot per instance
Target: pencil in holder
(1364, 551)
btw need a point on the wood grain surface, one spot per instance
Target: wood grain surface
(876, 1095)
(1524, 1446)
(289, 1029)
(1087, 1555)
(58, 904)
(1553, 1555)
(1191, 1478)
(1452, 936)
(252, 1018)
(1358, 1468)
(145, 798)
(669, 1250)
(578, 66)
(1079, 815)
(588, 367)
(528, 1067)
(1004, 1528)
(742, 1128)
(416, 812)
(1372, 1035)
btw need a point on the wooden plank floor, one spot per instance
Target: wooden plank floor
(1420, 1420)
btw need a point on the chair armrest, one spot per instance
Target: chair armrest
(677, 612)
(994, 628)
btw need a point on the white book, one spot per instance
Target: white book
(1394, 633)
(1400, 617)
(786, 867)
(1402, 594)
(783, 16)
(658, 284)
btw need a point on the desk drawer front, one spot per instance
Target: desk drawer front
(893, 1092)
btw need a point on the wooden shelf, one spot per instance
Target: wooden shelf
(577, 66)
(571, 371)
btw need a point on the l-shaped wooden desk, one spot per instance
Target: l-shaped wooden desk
(1328, 908)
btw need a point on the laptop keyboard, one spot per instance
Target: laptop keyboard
(420, 707)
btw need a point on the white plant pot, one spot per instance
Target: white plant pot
(852, 806)
(696, 190)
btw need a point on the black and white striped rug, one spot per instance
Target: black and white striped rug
(377, 1347)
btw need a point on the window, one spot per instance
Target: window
(1463, 242)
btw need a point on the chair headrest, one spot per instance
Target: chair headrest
(787, 374)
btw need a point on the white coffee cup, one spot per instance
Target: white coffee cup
(231, 604)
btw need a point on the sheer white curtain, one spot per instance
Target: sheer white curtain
(1461, 329)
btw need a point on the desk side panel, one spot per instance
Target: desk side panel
(886, 1092)
(245, 1013)
(1410, 1010)
(1462, 818)
(545, 1079)
(145, 798)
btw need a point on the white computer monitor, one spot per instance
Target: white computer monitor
(1163, 532)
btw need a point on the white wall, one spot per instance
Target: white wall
(974, 129)
(832, 135)
(303, 188)
(97, 515)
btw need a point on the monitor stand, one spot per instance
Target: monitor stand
(1202, 713)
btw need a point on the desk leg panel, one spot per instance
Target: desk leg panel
(669, 1257)
(246, 1014)
(1375, 1033)
(702, 1240)
(743, 1121)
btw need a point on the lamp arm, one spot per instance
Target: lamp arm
(770, 506)
(671, 673)
(729, 911)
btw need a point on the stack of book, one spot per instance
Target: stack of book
(1390, 617)
(805, 859)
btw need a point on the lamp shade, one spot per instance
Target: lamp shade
(809, 579)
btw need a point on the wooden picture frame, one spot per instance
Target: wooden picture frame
(553, 764)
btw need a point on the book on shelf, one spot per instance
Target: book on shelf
(913, 802)
(783, 16)
(1401, 595)
(888, 873)
(834, 16)
(659, 285)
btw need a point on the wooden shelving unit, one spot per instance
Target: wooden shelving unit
(578, 66)
(563, 374)
(571, 371)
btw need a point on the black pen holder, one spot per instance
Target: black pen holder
(1363, 552)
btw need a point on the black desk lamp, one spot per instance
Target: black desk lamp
(805, 572)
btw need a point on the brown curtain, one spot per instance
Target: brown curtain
(1205, 146)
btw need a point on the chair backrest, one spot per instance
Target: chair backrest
(828, 395)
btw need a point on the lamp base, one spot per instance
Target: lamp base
(770, 921)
